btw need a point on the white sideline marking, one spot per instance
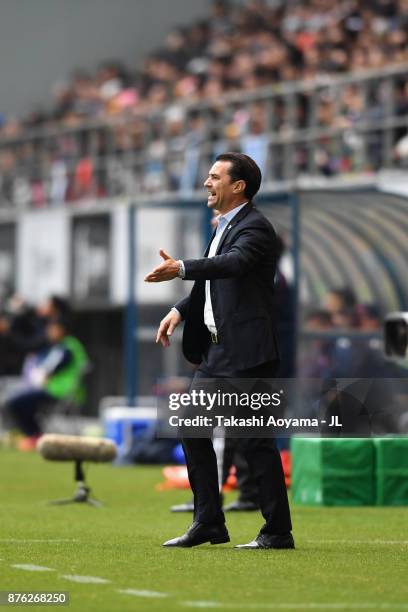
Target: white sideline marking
(142, 593)
(386, 542)
(298, 606)
(85, 579)
(202, 604)
(17, 541)
(32, 568)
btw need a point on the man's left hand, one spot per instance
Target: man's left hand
(166, 271)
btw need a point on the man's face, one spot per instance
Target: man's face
(55, 332)
(45, 309)
(333, 303)
(221, 190)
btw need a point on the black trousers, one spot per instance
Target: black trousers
(23, 408)
(261, 454)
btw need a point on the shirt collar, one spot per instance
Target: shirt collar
(228, 217)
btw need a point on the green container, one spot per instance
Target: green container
(333, 472)
(392, 471)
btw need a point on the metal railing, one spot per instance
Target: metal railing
(332, 126)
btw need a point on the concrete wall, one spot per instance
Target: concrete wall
(42, 41)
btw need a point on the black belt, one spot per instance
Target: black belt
(214, 338)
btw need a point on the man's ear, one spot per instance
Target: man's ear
(239, 186)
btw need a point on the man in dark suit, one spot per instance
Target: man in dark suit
(229, 331)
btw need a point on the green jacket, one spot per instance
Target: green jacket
(67, 382)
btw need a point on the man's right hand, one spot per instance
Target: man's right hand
(167, 326)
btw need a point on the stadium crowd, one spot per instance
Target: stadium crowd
(237, 48)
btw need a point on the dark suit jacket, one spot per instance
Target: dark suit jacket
(242, 286)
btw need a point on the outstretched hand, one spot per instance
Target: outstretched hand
(165, 271)
(167, 326)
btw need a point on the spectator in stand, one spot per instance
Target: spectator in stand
(112, 78)
(58, 181)
(7, 175)
(83, 184)
(176, 143)
(154, 173)
(255, 143)
(193, 164)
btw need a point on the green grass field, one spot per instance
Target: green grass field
(345, 558)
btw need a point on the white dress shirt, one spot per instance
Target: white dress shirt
(223, 223)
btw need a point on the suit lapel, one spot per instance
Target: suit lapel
(209, 244)
(224, 235)
(242, 213)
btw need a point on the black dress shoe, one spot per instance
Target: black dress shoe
(188, 507)
(241, 506)
(266, 540)
(200, 533)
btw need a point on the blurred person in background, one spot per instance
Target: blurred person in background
(358, 356)
(367, 404)
(369, 317)
(192, 161)
(341, 303)
(20, 331)
(7, 176)
(58, 186)
(315, 359)
(83, 184)
(255, 142)
(49, 375)
(23, 328)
